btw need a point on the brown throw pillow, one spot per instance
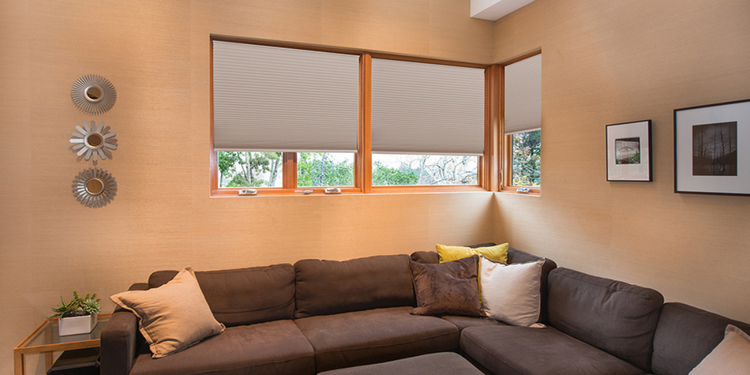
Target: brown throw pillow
(447, 288)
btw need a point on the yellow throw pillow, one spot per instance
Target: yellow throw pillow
(450, 253)
(173, 316)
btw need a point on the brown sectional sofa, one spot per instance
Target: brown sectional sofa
(319, 315)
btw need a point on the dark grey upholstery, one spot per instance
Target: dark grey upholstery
(462, 322)
(264, 348)
(510, 350)
(332, 287)
(685, 335)
(428, 364)
(243, 295)
(372, 336)
(613, 316)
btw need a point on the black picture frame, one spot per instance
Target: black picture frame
(712, 149)
(629, 155)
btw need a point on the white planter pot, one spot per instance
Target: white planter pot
(76, 325)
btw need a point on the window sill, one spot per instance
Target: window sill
(512, 190)
(379, 190)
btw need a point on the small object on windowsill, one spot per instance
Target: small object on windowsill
(332, 191)
(523, 190)
(304, 191)
(247, 192)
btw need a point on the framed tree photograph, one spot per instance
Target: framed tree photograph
(712, 149)
(629, 151)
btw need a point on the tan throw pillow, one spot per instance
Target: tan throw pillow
(730, 357)
(511, 293)
(173, 316)
(447, 288)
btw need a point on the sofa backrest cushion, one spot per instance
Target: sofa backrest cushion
(330, 287)
(613, 316)
(514, 256)
(685, 335)
(244, 295)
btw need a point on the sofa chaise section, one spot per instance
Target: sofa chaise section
(685, 335)
(597, 326)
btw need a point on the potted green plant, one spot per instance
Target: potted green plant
(77, 316)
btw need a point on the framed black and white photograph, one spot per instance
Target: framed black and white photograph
(711, 149)
(629, 151)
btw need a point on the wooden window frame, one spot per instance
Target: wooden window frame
(487, 172)
(505, 162)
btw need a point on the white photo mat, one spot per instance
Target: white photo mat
(629, 151)
(712, 149)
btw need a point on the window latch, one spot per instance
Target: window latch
(304, 191)
(247, 192)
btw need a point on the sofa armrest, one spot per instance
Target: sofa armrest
(120, 340)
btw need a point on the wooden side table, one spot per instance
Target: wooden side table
(45, 339)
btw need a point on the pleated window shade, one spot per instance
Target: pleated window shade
(420, 108)
(523, 95)
(284, 99)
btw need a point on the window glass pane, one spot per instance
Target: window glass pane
(250, 169)
(325, 169)
(390, 169)
(527, 158)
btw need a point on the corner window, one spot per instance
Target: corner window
(239, 169)
(325, 169)
(293, 120)
(522, 143)
(413, 170)
(526, 164)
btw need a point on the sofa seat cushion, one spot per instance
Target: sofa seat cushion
(378, 335)
(448, 363)
(266, 348)
(462, 322)
(521, 350)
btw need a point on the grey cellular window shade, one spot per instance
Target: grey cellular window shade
(523, 95)
(283, 99)
(420, 108)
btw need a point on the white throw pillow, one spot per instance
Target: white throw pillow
(511, 293)
(730, 357)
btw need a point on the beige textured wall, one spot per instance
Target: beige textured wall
(608, 62)
(157, 55)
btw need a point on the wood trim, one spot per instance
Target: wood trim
(487, 173)
(349, 51)
(491, 161)
(520, 57)
(276, 43)
(427, 60)
(426, 189)
(506, 146)
(289, 170)
(364, 156)
(213, 162)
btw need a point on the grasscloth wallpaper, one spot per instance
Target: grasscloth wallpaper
(603, 63)
(620, 61)
(157, 55)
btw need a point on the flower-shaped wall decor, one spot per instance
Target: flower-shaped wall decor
(94, 187)
(93, 94)
(96, 141)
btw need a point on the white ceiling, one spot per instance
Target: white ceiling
(492, 10)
